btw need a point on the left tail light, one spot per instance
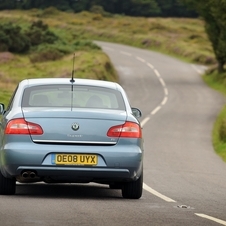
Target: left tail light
(20, 126)
(128, 129)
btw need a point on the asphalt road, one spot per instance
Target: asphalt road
(184, 180)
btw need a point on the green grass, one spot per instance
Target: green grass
(93, 64)
(218, 134)
(183, 38)
(218, 82)
(90, 62)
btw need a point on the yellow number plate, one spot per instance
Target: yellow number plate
(75, 159)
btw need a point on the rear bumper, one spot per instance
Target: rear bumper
(115, 163)
(74, 174)
(83, 174)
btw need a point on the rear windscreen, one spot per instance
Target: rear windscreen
(72, 96)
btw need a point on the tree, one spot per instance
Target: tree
(81, 5)
(175, 8)
(213, 13)
(145, 8)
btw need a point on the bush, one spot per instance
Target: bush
(99, 10)
(12, 39)
(49, 54)
(50, 11)
(85, 45)
(39, 33)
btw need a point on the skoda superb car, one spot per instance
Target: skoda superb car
(59, 130)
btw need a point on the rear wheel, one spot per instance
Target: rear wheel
(134, 189)
(7, 186)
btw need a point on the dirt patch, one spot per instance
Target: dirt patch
(6, 57)
(4, 79)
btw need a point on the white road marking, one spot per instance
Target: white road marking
(157, 73)
(165, 198)
(155, 110)
(162, 82)
(166, 91)
(125, 53)
(164, 101)
(211, 218)
(140, 59)
(150, 65)
(144, 121)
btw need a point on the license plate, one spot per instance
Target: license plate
(75, 159)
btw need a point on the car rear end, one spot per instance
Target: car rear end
(59, 135)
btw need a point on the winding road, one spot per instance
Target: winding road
(184, 179)
(179, 111)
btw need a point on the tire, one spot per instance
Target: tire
(134, 189)
(7, 186)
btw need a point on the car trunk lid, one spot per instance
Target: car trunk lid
(78, 126)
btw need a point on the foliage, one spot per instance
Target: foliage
(15, 40)
(218, 82)
(48, 59)
(12, 39)
(149, 8)
(99, 10)
(85, 45)
(175, 8)
(219, 134)
(55, 52)
(160, 34)
(39, 33)
(213, 13)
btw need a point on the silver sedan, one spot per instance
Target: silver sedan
(59, 130)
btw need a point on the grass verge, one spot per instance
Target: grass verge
(218, 82)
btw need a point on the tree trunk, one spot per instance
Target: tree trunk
(221, 66)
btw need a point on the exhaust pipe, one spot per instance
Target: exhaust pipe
(25, 174)
(32, 175)
(29, 174)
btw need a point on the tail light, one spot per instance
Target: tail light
(129, 129)
(20, 126)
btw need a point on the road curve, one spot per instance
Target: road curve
(184, 180)
(179, 113)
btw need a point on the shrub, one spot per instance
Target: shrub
(12, 39)
(39, 33)
(39, 24)
(85, 45)
(99, 10)
(50, 11)
(49, 54)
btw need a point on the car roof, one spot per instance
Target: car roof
(65, 81)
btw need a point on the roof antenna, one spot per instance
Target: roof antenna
(73, 70)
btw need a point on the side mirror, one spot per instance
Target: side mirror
(2, 108)
(136, 112)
